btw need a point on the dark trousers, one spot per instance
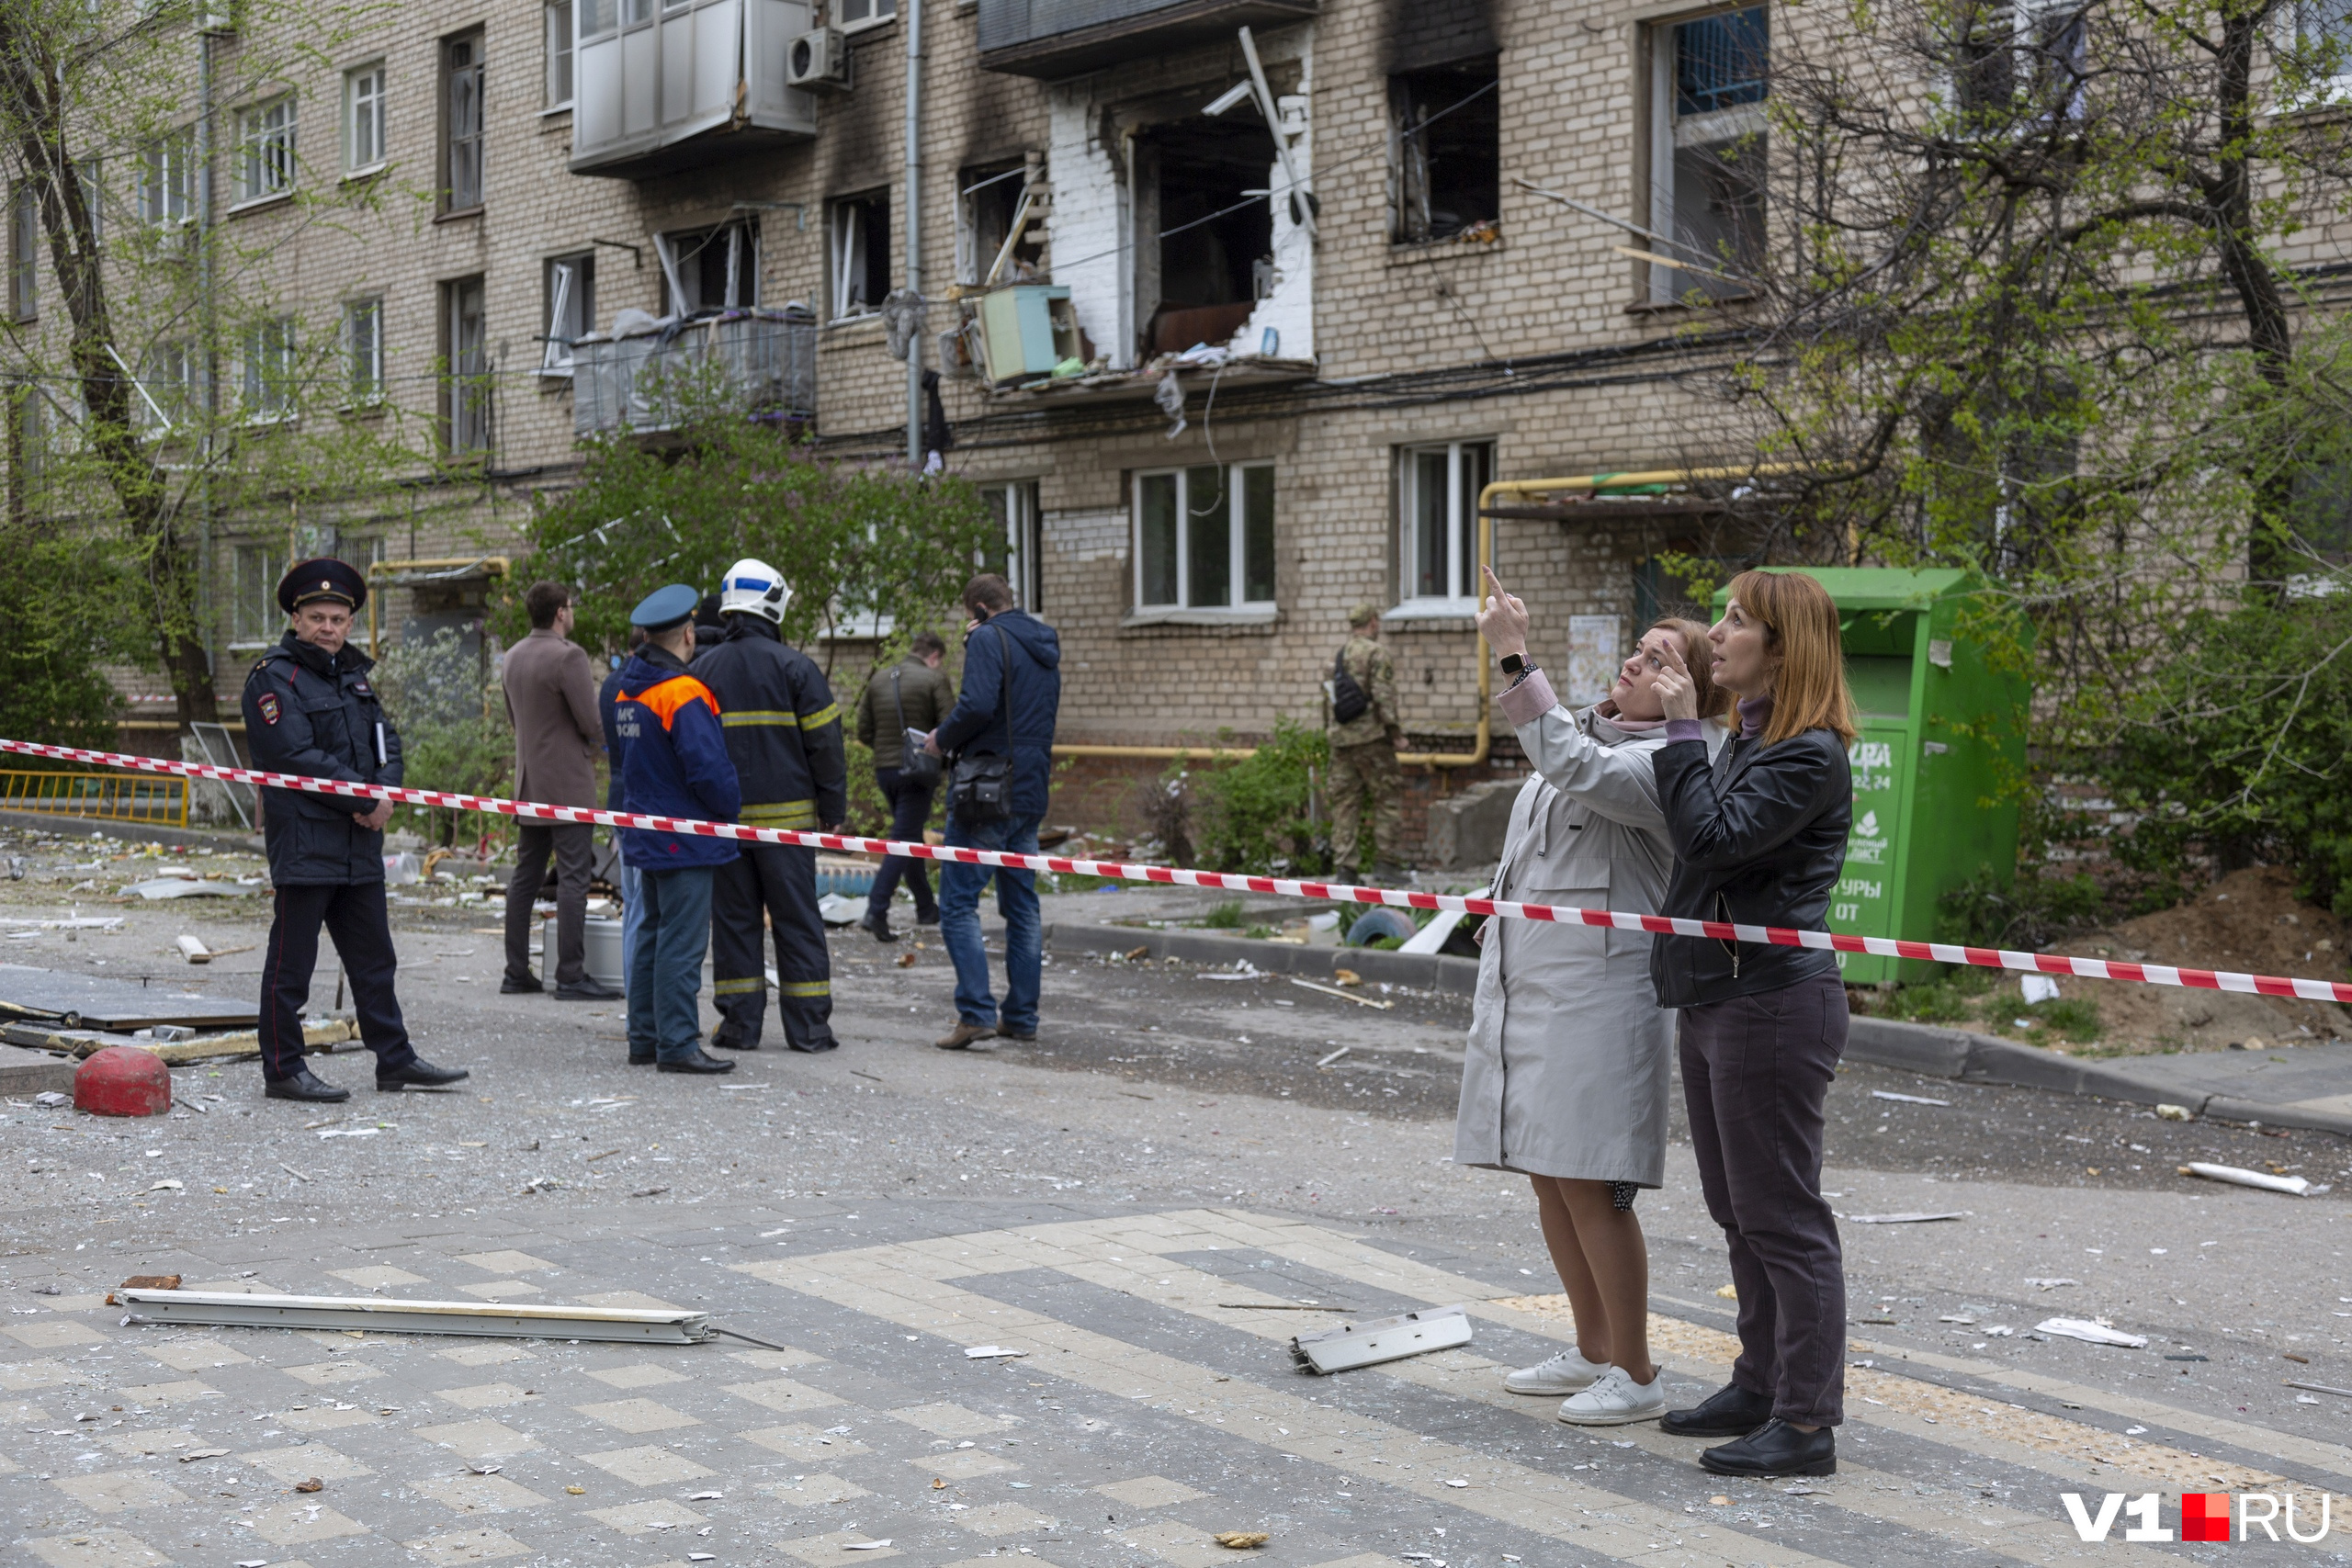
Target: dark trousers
(1756, 1071)
(909, 799)
(355, 916)
(781, 879)
(574, 846)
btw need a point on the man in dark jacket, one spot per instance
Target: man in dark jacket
(310, 709)
(1013, 689)
(673, 763)
(784, 733)
(910, 694)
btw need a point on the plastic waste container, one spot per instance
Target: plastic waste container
(1937, 763)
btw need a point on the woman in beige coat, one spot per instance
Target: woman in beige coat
(1566, 1078)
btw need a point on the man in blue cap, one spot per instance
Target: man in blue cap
(673, 763)
(311, 709)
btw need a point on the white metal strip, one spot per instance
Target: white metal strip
(392, 1316)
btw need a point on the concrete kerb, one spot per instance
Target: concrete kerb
(1422, 971)
(134, 832)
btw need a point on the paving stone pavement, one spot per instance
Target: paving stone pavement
(1154, 1403)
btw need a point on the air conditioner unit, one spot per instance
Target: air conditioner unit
(817, 61)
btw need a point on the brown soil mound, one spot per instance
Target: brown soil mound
(2251, 922)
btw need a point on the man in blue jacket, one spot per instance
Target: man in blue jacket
(673, 763)
(1013, 688)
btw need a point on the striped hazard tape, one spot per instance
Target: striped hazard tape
(1779, 936)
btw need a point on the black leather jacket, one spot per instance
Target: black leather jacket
(307, 712)
(1759, 839)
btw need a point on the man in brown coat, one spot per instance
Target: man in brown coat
(552, 701)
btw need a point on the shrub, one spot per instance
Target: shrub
(1258, 815)
(1225, 916)
(2027, 914)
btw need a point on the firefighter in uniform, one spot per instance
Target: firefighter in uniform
(783, 732)
(310, 709)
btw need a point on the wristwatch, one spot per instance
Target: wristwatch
(1511, 663)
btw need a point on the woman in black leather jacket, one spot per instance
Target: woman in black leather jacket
(1759, 838)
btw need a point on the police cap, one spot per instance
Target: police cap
(665, 607)
(323, 578)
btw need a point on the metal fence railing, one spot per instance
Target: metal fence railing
(760, 362)
(113, 797)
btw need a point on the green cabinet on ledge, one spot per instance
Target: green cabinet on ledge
(1941, 748)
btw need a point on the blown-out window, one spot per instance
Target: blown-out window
(857, 233)
(1709, 81)
(1204, 538)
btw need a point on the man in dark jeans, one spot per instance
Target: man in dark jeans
(910, 694)
(1013, 690)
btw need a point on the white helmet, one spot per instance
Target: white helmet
(754, 588)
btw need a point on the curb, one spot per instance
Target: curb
(138, 832)
(1981, 1058)
(1423, 971)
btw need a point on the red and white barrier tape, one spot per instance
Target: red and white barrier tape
(1835, 942)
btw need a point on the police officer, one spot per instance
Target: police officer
(310, 709)
(783, 731)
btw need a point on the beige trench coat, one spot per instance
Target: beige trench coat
(1567, 1071)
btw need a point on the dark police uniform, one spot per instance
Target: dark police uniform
(783, 731)
(310, 712)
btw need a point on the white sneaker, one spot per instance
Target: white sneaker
(1564, 1373)
(1616, 1399)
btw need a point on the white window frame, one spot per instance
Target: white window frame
(1016, 501)
(254, 570)
(856, 15)
(25, 246)
(570, 280)
(267, 151)
(559, 32)
(1237, 544)
(266, 371)
(170, 389)
(363, 350)
(167, 178)
(846, 246)
(1669, 132)
(1461, 532)
(2305, 22)
(364, 122)
(465, 123)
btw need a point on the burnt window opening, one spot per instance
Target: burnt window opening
(1446, 124)
(717, 268)
(1205, 230)
(1707, 154)
(991, 200)
(857, 235)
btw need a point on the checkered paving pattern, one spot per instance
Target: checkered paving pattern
(1152, 1403)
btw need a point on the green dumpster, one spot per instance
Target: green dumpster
(1942, 742)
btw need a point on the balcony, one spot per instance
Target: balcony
(667, 85)
(762, 362)
(1053, 39)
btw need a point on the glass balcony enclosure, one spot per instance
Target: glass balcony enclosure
(665, 84)
(1051, 38)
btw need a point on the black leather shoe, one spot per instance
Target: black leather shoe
(643, 1061)
(303, 1086)
(921, 919)
(816, 1048)
(1730, 1412)
(727, 1038)
(421, 1074)
(880, 929)
(697, 1062)
(527, 985)
(1775, 1449)
(590, 989)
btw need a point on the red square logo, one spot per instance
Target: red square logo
(2204, 1516)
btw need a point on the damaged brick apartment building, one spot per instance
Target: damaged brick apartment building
(1238, 305)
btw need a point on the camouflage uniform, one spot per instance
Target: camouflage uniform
(1363, 757)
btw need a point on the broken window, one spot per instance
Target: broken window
(1204, 538)
(2022, 57)
(571, 287)
(991, 202)
(1447, 125)
(857, 236)
(1204, 230)
(1437, 496)
(1707, 150)
(715, 269)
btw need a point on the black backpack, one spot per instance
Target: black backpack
(1349, 702)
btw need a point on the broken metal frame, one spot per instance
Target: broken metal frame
(645, 1325)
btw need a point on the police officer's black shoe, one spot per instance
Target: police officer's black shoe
(726, 1037)
(926, 919)
(879, 926)
(520, 985)
(586, 989)
(812, 1046)
(303, 1084)
(695, 1063)
(421, 1072)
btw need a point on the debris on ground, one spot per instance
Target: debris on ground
(2090, 1332)
(1906, 1098)
(2173, 1113)
(2294, 1186)
(1343, 996)
(1241, 1541)
(1914, 1219)
(1353, 1345)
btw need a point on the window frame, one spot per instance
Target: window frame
(1460, 525)
(560, 54)
(573, 293)
(171, 386)
(465, 394)
(255, 569)
(682, 248)
(1410, 141)
(267, 371)
(363, 351)
(839, 260)
(1712, 127)
(462, 136)
(167, 178)
(1238, 525)
(268, 144)
(1014, 502)
(878, 13)
(354, 106)
(24, 251)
